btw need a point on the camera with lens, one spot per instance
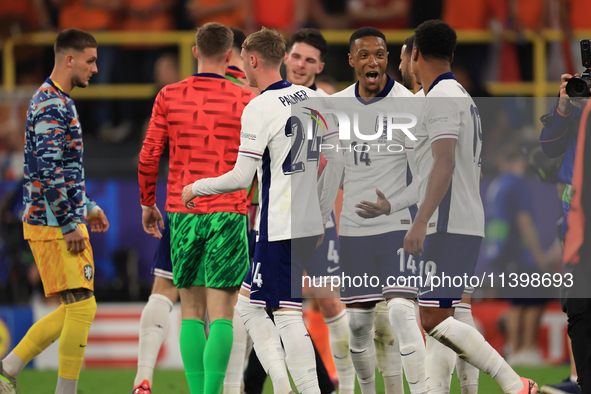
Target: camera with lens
(581, 86)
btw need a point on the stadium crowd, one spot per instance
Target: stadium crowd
(509, 204)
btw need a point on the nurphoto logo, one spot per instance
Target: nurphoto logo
(345, 125)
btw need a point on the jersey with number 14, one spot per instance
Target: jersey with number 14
(450, 112)
(379, 164)
(288, 196)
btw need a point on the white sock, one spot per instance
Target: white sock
(387, 351)
(412, 346)
(13, 365)
(66, 386)
(471, 346)
(299, 352)
(338, 336)
(248, 347)
(467, 373)
(233, 378)
(153, 325)
(267, 344)
(362, 348)
(439, 366)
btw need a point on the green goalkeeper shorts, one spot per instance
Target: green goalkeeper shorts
(208, 250)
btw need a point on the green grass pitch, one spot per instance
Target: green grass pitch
(106, 381)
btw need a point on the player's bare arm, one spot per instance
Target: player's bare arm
(97, 220)
(321, 237)
(440, 176)
(151, 219)
(75, 241)
(407, 198)
(188, 196)
(370, 210)
(527, 230)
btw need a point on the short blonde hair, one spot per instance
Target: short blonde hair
(213, 39)
(267, 42)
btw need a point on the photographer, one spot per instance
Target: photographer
(559, 137)
(576, 300)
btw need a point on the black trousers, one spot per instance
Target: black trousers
(576, 303)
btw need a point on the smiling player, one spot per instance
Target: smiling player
(304, 58)
(377, 242)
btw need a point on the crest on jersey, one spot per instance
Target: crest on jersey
(249, 136)
(88, 272)
(438, 119)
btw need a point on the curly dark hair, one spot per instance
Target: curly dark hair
(436, 40)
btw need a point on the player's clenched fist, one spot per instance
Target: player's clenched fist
(97, 220)
(188, 196)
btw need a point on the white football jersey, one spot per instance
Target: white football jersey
(450, 112)
(380, 163)
(289, 163)
(410, 144)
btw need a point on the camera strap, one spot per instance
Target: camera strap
(548, 119)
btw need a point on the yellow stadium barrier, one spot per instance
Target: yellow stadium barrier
(184, 40)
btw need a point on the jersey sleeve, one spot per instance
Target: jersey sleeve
(410, 195)
(89, 203)
(50, 135)
(409, 149)
(238, 179)
(442, 117)
(328, 186)
(255, 134)
(154, 144)
(554, 137)
(332, 129)
(335, 165)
